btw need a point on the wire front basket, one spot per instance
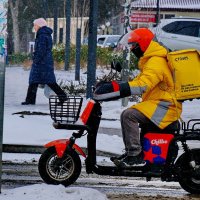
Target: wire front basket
(67, 111)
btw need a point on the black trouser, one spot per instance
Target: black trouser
(32, 91)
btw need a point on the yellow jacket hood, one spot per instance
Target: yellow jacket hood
(154, 49)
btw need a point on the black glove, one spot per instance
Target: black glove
(116, 65)
(108, 91)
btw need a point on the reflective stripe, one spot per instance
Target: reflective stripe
(160, 112)
(106, 96)
(138, 90)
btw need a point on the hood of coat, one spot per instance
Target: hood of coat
(154, 49)
(45, 30)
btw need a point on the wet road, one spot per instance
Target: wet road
(22, 174)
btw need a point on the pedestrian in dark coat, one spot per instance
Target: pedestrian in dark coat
(42, 70)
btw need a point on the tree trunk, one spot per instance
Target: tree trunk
(14, 7)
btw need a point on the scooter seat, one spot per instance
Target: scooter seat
(174, 127)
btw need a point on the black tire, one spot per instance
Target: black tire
(189, 177)
(54, 170)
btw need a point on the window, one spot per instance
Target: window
(169, 28)
(169, 16)
(101, 40)
(161, 16)
(189, 28)
(112, 39)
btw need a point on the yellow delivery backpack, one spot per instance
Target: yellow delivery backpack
(185, 67)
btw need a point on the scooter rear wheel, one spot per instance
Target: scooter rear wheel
(55, 170)
(188, 175)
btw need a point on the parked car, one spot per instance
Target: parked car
(104, 40)
(179, 33)
(107, 40)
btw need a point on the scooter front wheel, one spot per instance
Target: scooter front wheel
(55, 170)
(189, 172)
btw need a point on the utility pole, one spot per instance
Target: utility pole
(55, 22)
(157, 12)
(92, 46)
(45, 7)
(126, 50)
(68, 27)
(78, 41)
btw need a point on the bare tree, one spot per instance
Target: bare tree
(86, 8)
(14, 8)
(78, 6)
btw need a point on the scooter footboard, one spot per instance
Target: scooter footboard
(61, 145)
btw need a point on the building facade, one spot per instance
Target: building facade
(75, 23)
(144, 13)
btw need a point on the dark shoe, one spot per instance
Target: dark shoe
(131, 161)
(27, 103)
(118, 157)
(62, 99)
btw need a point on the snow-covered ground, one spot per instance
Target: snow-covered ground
(38, 130)
(51, 192)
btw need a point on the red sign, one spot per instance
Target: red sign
(141, 17)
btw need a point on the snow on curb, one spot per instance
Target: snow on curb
(51, 192)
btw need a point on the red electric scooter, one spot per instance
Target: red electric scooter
(60, 163)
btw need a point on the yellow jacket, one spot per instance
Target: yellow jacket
(156, 85)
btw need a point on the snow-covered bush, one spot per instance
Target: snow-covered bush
(73, 87)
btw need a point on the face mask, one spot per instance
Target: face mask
(137, 51)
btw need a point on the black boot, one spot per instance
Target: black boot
(131, 161)
(118, 157)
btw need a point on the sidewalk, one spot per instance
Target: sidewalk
(29, 133)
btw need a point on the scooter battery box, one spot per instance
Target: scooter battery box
(155, 147)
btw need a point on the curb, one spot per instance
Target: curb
(36, 149)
